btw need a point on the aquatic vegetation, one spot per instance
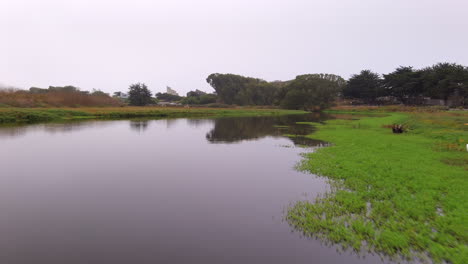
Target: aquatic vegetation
(396, 194)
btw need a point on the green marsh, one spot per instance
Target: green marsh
(396, 194)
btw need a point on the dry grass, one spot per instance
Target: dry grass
(54, 99)
(389, 108)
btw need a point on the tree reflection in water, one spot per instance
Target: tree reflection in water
(16, 130)
(139, 125)
(232, 130)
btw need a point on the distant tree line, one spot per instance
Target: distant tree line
(140, 95)
(308, 92)
(66, 89)
(446, 82)
(443, 81)
(168, 97)
(240, 90)
(198, 97)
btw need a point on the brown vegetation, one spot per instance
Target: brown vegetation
(389, 108)
(55, 99)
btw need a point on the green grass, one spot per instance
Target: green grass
(31, 115)
(398, 194)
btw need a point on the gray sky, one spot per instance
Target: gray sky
(109, 44)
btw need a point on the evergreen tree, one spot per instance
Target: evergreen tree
(366, 85)
(139, 95)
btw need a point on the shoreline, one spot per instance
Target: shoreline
(37, 115)
(394, 194)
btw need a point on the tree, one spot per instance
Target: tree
(68, 88)
(257, 93)
(99, 93)
(230, 88)
(198, 97)
(295, 99)
(443, 80)
(168, 97)
(366, 85)
(405, 84)
(139, 95)
(195, 93)
(312, 91)
(208, 99)
(306, 91)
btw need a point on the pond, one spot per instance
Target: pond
(158, 191)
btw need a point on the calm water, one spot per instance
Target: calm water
(160, 191)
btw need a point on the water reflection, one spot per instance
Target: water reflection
(105, 194)
(171, 122)
(232, 130)
(199, 122)
(50, 128)
(224, 130)
(139, 125)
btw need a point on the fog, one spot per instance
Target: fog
(108, 44)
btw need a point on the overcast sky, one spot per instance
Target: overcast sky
(109, 44)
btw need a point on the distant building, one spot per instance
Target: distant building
(171, 91)
(164, 103)
(121, 95)
(454, 100)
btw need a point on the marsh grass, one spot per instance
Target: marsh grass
(397, 194)
(389, 108)
(31, 115)
(13, 98)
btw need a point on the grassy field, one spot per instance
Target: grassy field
(30, 115)
(403, 195)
